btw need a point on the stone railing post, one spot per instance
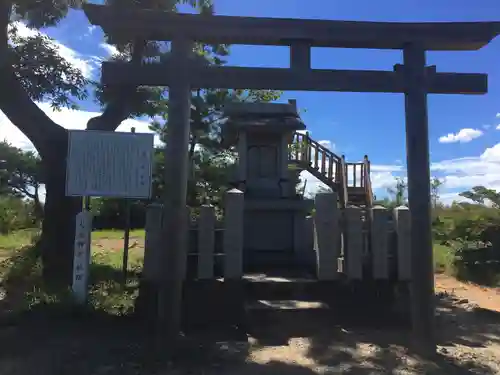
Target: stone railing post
(206, 242)
(233, 256)
(403, 232)
(233, 234)
(353, 253)
(379, 233)
(327, 232)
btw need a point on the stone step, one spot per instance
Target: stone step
(279, 320)
(281, 283)
(284, 305)
(269, 298)
(260, 311)
(274, 322)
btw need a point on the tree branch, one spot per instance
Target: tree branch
(112, 116)
(120, 108)
(23, 191)
(15, 102)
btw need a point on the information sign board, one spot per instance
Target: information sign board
(109, 164)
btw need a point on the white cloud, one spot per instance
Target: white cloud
(90, 30)
(110, 50)
(458, 174)
(498, 115)
(449, 198)
(85, 64)
(463, 173)
(386, 168)
(498, 127)
(327, 144)
(68, 118)
(463, 136)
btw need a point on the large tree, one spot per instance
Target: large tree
(482, 195)
(20, 175)
(32, 70)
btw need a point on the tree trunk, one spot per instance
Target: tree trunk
(38, 207)
(58, 229)
(50, 140)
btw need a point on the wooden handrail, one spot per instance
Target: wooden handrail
(343, 177)
(332, 169)
(307, 150)
(367, 182)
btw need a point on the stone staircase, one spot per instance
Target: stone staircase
(350, 180)
(302, 299)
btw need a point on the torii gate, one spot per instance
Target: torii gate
(182, 74)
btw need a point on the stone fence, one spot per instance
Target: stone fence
(350, 243)
(357, 243)
(210, 248)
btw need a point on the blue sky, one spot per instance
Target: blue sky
(354, 124)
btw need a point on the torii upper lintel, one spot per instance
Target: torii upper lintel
(158, 25)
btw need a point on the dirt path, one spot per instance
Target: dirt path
(468, 342)
(486, 298)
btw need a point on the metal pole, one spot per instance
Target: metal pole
(174, 230)
(417, 149)
(126, 236)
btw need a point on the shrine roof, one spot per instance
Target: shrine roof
(157, 25)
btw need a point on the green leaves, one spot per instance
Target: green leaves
(44, 73)
(20, 171)
(481, 195)
(44, 13)
(399, 192)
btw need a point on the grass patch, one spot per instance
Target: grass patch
(23, 288)
(107, 291)
(22, 238)
(17, 240)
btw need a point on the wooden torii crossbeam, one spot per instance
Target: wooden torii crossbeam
(183, 73)
(288, 79)
(154, 25)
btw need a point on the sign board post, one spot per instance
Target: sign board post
(104, 164)
(126, 237)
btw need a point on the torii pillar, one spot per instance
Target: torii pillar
(419, 197)
(175, 219)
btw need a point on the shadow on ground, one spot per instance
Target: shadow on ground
(48, 340)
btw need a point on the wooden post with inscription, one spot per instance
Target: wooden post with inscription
(413, 80)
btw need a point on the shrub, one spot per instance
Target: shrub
(15, 214)
(472, 233)
(478, 262)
